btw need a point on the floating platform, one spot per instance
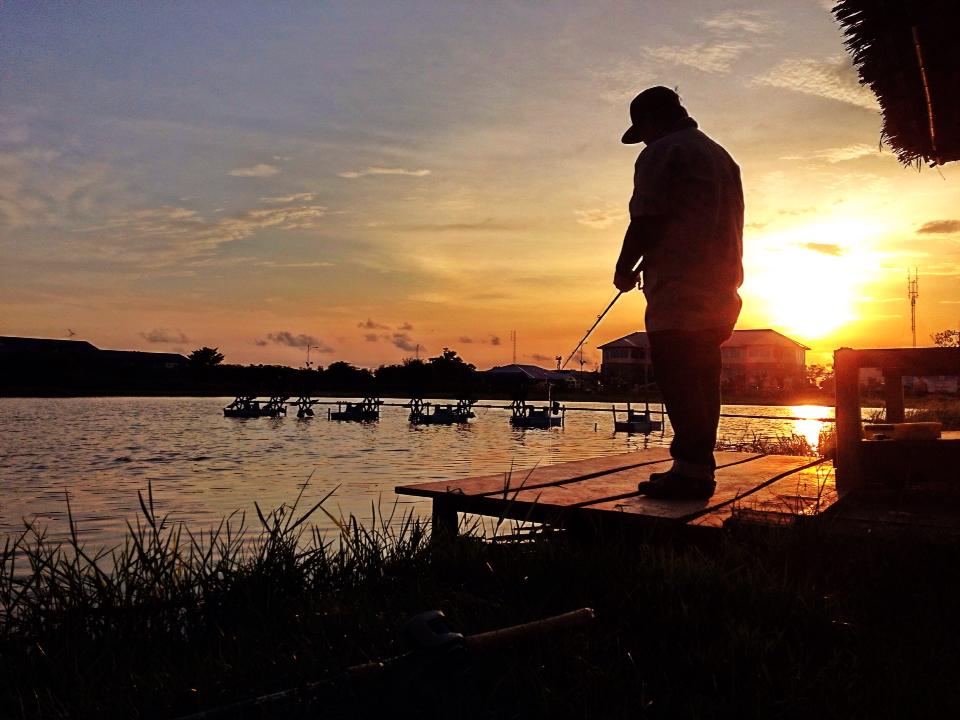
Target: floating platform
(603, 491)
(424, 413)
(247, 406)
(368, 410)
(637, 421)
(533, 416)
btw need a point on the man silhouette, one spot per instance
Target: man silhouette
(686, 231)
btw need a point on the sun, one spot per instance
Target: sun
(806, 280)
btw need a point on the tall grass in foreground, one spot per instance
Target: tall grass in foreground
(169, 571)
(173, 622)
(115, 632)
(781, 444)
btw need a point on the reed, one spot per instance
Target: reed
(173, 622)
(774, 445)
(945, 412)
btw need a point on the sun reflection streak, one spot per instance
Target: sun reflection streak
(812, 427)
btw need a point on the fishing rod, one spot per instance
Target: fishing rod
(599, 318)
(432, 641)
(597, 322)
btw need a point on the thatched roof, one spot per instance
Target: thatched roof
(906, 52)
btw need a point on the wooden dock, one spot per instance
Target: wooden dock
(604, 491)
(885, 484)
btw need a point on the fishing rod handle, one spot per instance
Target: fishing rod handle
(525, 631)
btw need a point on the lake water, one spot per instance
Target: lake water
(203, 466)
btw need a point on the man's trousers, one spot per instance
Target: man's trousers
(687, 367)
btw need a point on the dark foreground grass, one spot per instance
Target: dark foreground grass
(795, 625)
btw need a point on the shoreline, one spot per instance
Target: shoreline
(819, 399)
(806, 399)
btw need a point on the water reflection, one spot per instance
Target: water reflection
(812, 428)
(203, 466)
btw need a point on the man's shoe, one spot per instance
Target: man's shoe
(672, 486)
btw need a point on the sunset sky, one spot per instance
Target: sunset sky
(364, 177)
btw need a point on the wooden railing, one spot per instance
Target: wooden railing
(861, 463)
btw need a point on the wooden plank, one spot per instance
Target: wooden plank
(909, 361)
(537, 476)
(733, 481)
(847, 380)
(903, 463)
(598, 490)
(893, 395)
(608, 489)
(920, 515)
(805, 493)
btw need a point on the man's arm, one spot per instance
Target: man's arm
(639, 238)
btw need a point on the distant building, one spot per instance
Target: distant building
(17, 345)
(871, 380)
(762, 360)
(80, 352)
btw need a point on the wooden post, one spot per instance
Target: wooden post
(893, 394)
(444, 523)
(847, 379)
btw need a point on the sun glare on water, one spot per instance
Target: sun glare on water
(807, 279)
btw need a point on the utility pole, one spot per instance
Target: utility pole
(513, 339)
(912, 293)
(418, 351)
(309, 348)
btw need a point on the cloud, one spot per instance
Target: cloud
(369, 324)
(40, 187)
(259, 342)
(617, 84)
(833, 78)
(825, 248)
(740, 21)
(940, 226)
(486, 225)
(162, 335)
(539, 357)
(467, 340)
(287, 338)
(296, 197)
(405, 326)
(351, 174)
(260, 170)
(285, 265)
(848, 152)
(173, 234)
(401, 340)
(601, 216)
(950, 302)
(404, 342)
(714, 58)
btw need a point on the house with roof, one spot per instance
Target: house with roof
(82, 353)
(763, 359)
(531, 374)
